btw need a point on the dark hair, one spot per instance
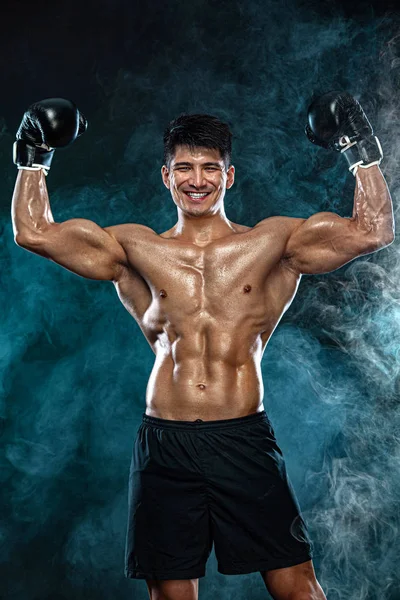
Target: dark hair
(194, 131)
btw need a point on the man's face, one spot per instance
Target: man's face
(200, 171)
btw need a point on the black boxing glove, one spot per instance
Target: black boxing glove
(48, 124)
(337, 122)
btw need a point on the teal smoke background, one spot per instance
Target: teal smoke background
(74, 364)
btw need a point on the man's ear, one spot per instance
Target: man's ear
(165, 176)
(230, 177)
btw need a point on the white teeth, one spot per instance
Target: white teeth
(193, 195)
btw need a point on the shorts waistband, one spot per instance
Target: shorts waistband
(198, 424)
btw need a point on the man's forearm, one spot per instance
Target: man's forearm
(30, 209)
(373, 208)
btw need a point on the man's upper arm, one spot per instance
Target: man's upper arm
(81, 246)
(325, 242)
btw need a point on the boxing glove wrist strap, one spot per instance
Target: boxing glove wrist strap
(364, 153)
(31, 157)
(35, 168)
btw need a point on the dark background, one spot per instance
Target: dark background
(74, 365)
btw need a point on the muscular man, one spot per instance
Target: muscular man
(208, 294)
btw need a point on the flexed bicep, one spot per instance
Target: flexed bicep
(325, 242)
(81, 246)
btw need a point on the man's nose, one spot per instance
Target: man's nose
(197, 179)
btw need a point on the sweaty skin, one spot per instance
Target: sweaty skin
(207, 313)
(208, 293)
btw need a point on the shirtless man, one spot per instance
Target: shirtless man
(208, 294)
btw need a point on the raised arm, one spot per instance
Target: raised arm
(326, 241)
(79, 245)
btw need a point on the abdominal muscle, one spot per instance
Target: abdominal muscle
(207, 314)
(195, 388)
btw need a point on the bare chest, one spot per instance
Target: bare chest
(238, 282)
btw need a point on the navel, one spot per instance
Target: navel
(163, 294)
(201, 386)
(247, 289)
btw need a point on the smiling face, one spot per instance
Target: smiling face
(197, 180)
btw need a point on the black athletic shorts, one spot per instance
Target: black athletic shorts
(195, 483)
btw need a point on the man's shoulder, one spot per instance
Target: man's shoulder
(130, 232)
(280, 223)
(280, 229)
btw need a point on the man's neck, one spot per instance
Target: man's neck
(202, 230)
